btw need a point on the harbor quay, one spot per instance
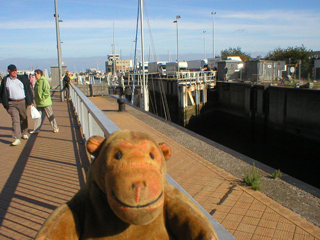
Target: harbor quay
(274, 125)
(46, 170)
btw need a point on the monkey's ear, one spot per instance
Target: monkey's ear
(94, 143)
(166, 150)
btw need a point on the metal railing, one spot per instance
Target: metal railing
(94, 122)
(91, 118)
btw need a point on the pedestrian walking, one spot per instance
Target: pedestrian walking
(66, 83)
(16, 96)
(43, 102)
(225, 73)
(32, 79)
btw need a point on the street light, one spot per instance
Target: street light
(213, 13)
(204, 44)
(56, 15)
(176, 21)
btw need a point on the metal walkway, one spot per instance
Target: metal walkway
(49, 168)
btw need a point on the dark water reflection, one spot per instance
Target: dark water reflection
(296, 156)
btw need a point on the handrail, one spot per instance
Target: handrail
(94, 122)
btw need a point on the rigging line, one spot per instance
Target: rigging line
(151, 101)
(135, 56)
(154, 54)
(150, 33)
(165, 101)
(131, 49)
(162, 101)
(154, 96)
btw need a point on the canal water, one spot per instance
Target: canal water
(292, 154)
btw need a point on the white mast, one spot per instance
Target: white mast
(144, 91)
(114, 56)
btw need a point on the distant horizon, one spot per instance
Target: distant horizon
(80, 64)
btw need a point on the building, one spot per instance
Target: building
(230, 69)
(116, 64)
(316, 69)
(315, 54)
(264, 70)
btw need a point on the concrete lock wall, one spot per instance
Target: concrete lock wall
(90, 90)
(99, 89)
(291, 110)
(259, 105)
(235, 98)
(84, 89)
(55, 80)
(295, 110)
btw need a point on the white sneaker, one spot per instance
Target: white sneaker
(34, 131)
(56, 130)
(25, 137)
(16, 142)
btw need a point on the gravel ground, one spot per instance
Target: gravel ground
(299, 201)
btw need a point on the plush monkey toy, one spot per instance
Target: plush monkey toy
(127, 196)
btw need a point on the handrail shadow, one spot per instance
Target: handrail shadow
(30, 192)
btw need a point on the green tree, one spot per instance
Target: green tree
(235, 52)
(292, 55)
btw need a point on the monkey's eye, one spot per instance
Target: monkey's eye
(118, 155)
(151, 155)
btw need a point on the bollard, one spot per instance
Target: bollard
(90, 90)
(121, 103)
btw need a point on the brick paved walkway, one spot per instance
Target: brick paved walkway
(46, 170)
(39, 174)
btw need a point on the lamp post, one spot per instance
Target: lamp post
(59, 49)
(176, 22)
(204, 44)
(213, 50)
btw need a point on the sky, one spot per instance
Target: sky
(89, 28)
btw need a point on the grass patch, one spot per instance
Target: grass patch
(253, 178)
(277, 174)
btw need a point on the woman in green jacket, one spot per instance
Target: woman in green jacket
(43, 102)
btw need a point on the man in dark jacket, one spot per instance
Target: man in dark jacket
(16, 95)
(66, 84)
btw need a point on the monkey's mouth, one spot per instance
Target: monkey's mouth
(137, 206)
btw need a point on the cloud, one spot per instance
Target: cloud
(251, 30)
(75, 24)
(225, 20)
(21, 24)
(273, 15)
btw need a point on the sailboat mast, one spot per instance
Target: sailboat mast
(114, 54)
(135, 56)
(145, 95)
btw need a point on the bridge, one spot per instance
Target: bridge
(46, 170)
